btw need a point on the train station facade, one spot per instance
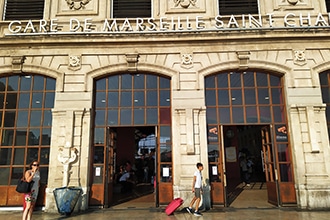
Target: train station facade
(87, 86)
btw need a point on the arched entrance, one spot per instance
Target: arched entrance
(132, 137)
(246, 120)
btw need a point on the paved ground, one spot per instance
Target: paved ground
(139, 214)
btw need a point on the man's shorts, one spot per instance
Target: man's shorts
(197, 192)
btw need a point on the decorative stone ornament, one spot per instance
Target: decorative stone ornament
(74, 62)
(77, 4)
(185, 3)
(299, 57)
(132, 60)
(17, 63)
(186, 59)
(293, 2)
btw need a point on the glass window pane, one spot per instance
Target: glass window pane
(38, 83)
(44, 156)
(164, 98)
(283, 154)
(165, 173)
(274, 80)
(2, 99)
(235, 80)
(138, 116)
(262, 79)
(236, 97)
(152, 116)
(264, 112)
(34, 137)
(126, 81)
(35, 120)
(50, 84)
(251, 114)
(151, 82)
(32, 154)
(24, 100)
(19, 155)
(211, 115)
(238, 115)
(100, 100)
(285, 173)
(152, 99)
(165, 153)
(125, 116)
(210, 97)
(11, 101)
(4, 176)
(165, 115)
(97, 179)
(46, 136)
(139, 81)
(43, 175)
(22, 119)
(99, 117)
(139, 99)
(223, 97)
(263, 96)
(113, 117)
(278, 113)
(277, 96)
(25, 83)
(250, 96)
(113, 82)
(224, 115)
(100, 85)
(12, 83)
(49, 100)
(222, 80)
(164, 83)
(126, 99)
(37, 100)
(20, 139)
(98, 154)
(248, 78)
(3, 81)
(99, 136)
(7, 137)
(5, 156)
(47, 121)
(113, 98)
(210, 82)
(324, 79)
(16, 174)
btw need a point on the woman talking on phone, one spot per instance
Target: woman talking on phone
(32, 174)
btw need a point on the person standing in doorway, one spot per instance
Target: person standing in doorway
(197, 189)
(32, 174)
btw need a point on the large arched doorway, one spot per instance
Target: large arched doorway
(246, 119)
(26, 102)
(132, 134)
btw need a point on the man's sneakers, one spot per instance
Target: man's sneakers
(197, 213)
(189, 210)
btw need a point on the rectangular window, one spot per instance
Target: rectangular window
(23, 10)
(131, 8)
(238, 7)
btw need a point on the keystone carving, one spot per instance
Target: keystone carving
(132, 61)
(74, 62)
(243, 58)
(292, 2)
(17, 64)
(185, 3)
(299, 57)
(77, 4)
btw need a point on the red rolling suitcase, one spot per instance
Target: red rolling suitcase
(176, 203)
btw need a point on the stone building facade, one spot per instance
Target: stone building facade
(195, 61)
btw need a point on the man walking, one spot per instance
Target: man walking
(197, 189)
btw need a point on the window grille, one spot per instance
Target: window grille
(131, 8)
(237, 7)
(23, 9)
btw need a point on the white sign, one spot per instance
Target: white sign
(170, 24)
(97, 171)
(166, 172)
